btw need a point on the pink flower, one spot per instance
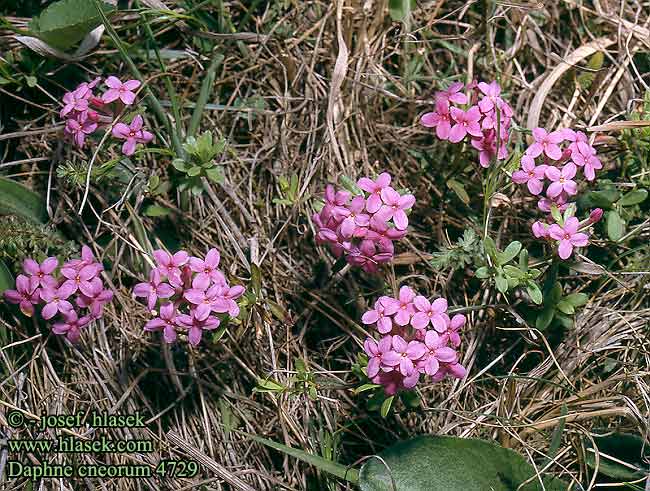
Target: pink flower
(207, 268)
(374, 188)
(428, 312)
(492, 91)
(355, 217)
(585, 156)
(562, 180)
(381, 233)
(540, 230)
(561, 202)
(152, 290)
(408, 353)
(435, 351)
(380, 355)
(56, 299)
(26, 295)
(530, 174)
(226, 301)
(170, 265)
(380, 315)
(546, 143)
(568, 236)
(41, 275)
(466, 123)
(335, 204)
(95, 302)
(77, 129)
(454, 369)
(79, 278)
(440, 119)
(133, 134)
(403, 305)
(487, 147)
(394, 206)
(166, 321)
(119, 90)
(71, 328)
(196, 326)
(452, 94)
(76, 100)
(451, 335)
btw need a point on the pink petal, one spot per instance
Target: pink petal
(565, 249)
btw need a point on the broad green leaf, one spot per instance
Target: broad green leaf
(502, 283)
(215, 174)
(443, 463)
(181, 165)
(555, 294)
(565, 307)
(16, 199)
(490, 247)
(194, 171)
(156, 211)
(535, 293)
(615, 225)
(339, 470)
(510, 252)
(400, 10)
(601, 199)
(577, 299)
(7, 281)
(482, 272)
(634, 197)
(459, 189)
(545, 317)
(268, 386)
(66, 22)
(624, 447)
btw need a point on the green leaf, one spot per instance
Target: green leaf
(339, 470)
(502, 283)
(350, 185)
(615, 225)
(634, 197)
(513, 271)
(490, 247)
(16, 199)
(459, 189)
(534, 292)
(555, 213)
(400, 10)
(264, 385)
(215, 174)
(482, 272)
(624, 447)
(577, 299)
(601, 199)
(386, 405)
(545, 317)
(443, 463)
(156, 211)
(565, 307)
(66, 22)
(256, 280)
(181, 165)
(7, 281)
(194, 171)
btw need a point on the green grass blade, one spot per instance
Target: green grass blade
(16, 199)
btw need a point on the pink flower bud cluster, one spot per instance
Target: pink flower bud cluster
(417, 337)
(487, 113)
(85, 113)
(552, 162)
(187, 290)
(76, 285)
(363, 227)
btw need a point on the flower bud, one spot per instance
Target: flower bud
(595, 215)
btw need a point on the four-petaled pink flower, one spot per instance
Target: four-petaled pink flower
(41, 274)
(380, 315)
(374, 188)
(452, 94)
(562, 180)
(436, 350)
(467, 122)
(380, 355)
(568, 236)
(430, 312)
(492, 91)
(394, 206)
(355, 218)
(540, 230)
(196, 326)
(207, 268)
(118, 90)
(25, 295)
(455, 325)
(585, 157)
(166, 321)
(72, 325)
(530, 174)
(56, 299)
(77, 100)
(440, 119)
(133, 134)
(408, 353)
(404, 306)
(153, 289)
(79, 278)
(95, 302)
(79, 128)
(546, 143)
(169, 265)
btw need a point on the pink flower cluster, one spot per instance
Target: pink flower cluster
(552, 162)
(487, 113)
(77, 284)
(417, 338)
(85, 113)
(194, 289)
(363, 227)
